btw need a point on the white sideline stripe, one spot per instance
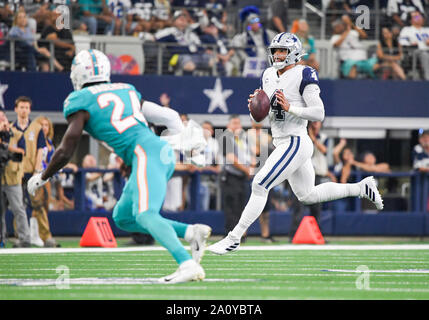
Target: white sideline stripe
(380, 271)
(101, 281)
(286, 247)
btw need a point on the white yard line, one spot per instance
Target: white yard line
(286, 247)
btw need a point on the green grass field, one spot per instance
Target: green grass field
(254, 272)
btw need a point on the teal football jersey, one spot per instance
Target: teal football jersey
(115, 115)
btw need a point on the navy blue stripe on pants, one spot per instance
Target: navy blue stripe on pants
(287, 162)
(278, 163)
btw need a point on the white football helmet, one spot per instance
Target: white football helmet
(89, 66)
(289, 41)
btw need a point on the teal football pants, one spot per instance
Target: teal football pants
(143, 195)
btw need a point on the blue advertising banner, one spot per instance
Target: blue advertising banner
(209, 95)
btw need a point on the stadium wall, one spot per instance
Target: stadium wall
(381, 104)
(73, 223)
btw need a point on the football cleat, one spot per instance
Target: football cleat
(187, 271)
(198, 241)
(226, 245)
(368, 190)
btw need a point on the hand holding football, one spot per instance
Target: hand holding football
(259, 105)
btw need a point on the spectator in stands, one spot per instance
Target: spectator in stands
(420, 155)
(187, 55)
(80, 29)
(398, 11)
(308, 44)
(186, 3)
(209, 183)
(254, 39)
(27, 50)
(389, 53)
(94, 184)
(217, 15)
(278, 19)
(369, 163)
(261, 146)
(351, 51)
(38, 13)
(416, 36)
(97, 16)
(343, 166)
(4, 46)
(118, 8)
(236, 172)
(343, 160)
(12, 188)
(62, 40)
(336, 9)
(6, 13)
(139, 18)
(161, 15)
(211, 35)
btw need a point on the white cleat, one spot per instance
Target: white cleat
(198, 241)
(187, 271)
(226, 245)
(368, 190)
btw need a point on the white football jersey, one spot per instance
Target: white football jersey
(292, 83)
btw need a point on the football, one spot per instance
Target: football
(259, 105)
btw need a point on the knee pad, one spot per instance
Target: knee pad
(259, 190)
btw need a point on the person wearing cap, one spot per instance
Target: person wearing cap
(254, 39)
(187, 53)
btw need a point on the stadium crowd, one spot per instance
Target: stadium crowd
(184, 27)
(229, 36)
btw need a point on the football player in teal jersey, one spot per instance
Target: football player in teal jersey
(113, 113)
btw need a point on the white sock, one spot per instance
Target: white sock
(333, 191)
(250, 213)
(189, 233)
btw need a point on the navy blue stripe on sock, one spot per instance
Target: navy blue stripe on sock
(287, 163)
(278, 162)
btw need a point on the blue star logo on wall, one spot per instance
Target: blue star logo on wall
(218, 97)
(3, 88)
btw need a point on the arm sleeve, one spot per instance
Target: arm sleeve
(315, 110)
(162, 116)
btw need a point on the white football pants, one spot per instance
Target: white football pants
(290, 161)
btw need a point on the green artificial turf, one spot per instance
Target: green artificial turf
(242, 275)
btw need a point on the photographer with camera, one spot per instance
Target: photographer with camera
(12, 171)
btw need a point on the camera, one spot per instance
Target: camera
(5, 154)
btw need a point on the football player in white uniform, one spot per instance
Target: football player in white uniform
(294, 93)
